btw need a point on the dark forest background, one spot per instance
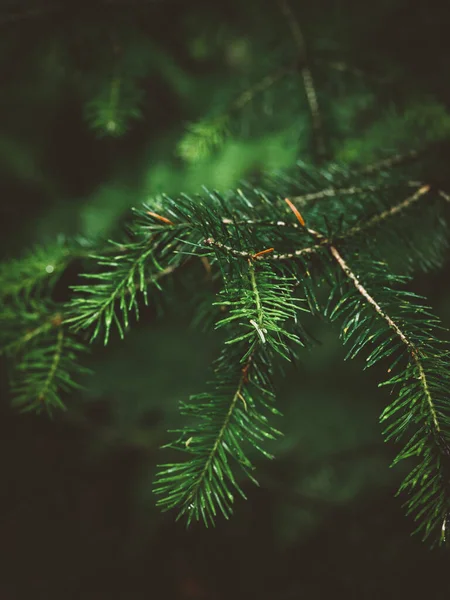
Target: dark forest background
(77, 515)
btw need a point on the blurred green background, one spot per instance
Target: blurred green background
(106, 106)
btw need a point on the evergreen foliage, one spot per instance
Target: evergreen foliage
(259, 305)
(271, 247)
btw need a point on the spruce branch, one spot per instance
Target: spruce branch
(248, 241)
(412, 349)
(124, 276)
(36, 272)
(359, 229)
(114, 107)
(49, 366)
(40, 266)
(204, 136)
(422, 404)
(204, 484)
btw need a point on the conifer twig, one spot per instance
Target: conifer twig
(212, 131)
(412, 349)
(243, 380)
(427, 409)
(322, 240)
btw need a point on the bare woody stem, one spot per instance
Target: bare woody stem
(308, 81)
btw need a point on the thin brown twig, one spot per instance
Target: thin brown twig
(308, 80)
(322, 240)
(266, 256)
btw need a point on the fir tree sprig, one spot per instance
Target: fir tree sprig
(204, 136)
(114, 290)
(48, 358)
(41, 266)
(47, 371)
(231, 415)
(112, 110)
(376, 314)
(255, 241)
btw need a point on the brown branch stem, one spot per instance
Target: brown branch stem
(308, 81)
